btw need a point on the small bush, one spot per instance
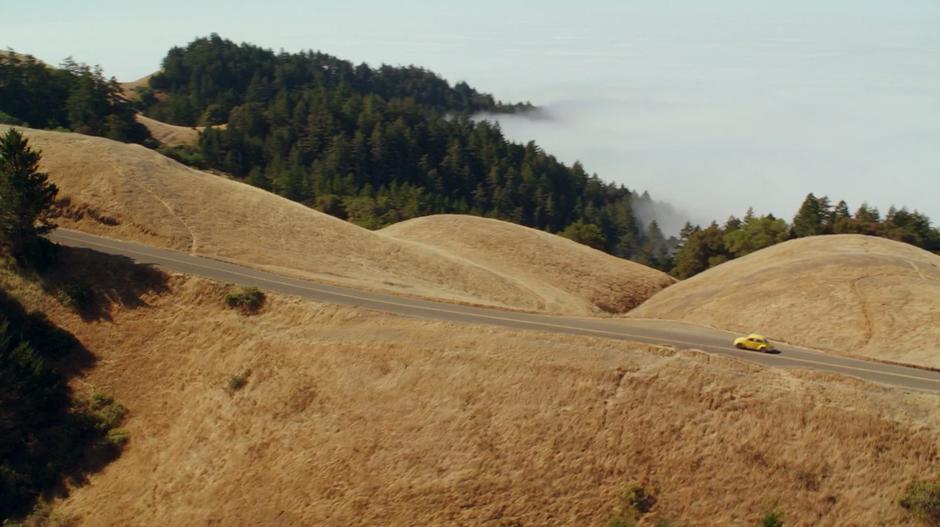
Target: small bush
(186, 155)
(773, 518)
(75, 296)
(247, 300)
(922, 500)
(237, 382)
(110, 414)
(636, 501)
(118, 437)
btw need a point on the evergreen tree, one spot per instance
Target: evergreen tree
(74, 95)
(26, 197)
(754, 234)
(810, 220)
(585, 233)
(702, 249)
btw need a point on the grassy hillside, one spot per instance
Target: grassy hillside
(345, 417)
(130, 192)
(170, 134)
(530, 255)
(851, 294)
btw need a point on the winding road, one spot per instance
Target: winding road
(668, 333)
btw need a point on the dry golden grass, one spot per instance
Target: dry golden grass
(851, 294)
(129, 89)
(132, 193)
(170, 134)
(567, 271)
(354, 418)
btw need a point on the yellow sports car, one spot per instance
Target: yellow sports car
(754, 342)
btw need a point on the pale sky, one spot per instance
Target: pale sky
(710, 105)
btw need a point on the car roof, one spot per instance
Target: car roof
(756, 336)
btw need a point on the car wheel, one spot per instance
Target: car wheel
(739, 346)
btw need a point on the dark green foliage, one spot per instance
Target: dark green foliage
(755, 233)
(43, 431)
(74, 96)
(75, 296)
(701, 249)
(210, 77)
(237, 382)
(636, 501)
(26, 197)
(188, 155)
(247, 300)
(922, 500)
(585, 233)
(813, 217)
(377, 146)
(773, 518)
(9, 119)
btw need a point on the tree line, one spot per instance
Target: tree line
(700, 248)
(203, 82)
(74, 96)
(379, 145)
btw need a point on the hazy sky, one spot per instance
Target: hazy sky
(710, 105)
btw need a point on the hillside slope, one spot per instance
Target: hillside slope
(357, 418)
(574, 271)
(847, 293)
(129, 192)
(169, 134)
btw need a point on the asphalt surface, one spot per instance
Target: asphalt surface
(668, 333)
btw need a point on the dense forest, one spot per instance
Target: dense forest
(703, 248)
(380, 145)
(74, 96)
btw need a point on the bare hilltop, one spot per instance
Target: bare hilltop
(848, 294)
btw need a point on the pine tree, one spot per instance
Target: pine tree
(26, 197)
(810, 219)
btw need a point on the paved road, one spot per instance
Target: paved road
(648, 331)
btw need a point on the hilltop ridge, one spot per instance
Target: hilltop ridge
(846, 293)
(129, 192)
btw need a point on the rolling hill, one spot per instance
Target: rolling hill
(849, 294)
(169, 134)
(570, 270)
(129, 192)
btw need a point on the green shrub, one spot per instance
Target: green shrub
(109, 414)
(247, 300)
(186, 155)
(636, 501)
(118, 437)
(237, 382)
(773, 518)
(922, 500)
(75, 296)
